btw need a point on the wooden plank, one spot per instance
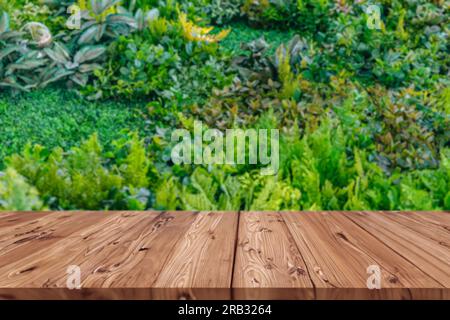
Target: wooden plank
(268, 264)
(126, 261)
(429, 224)
(338, 253)
(413, 282)
(15, 219)
(188, 255)
(201, 264)
(427, 254)
(82, 294)
(436, 218)
(136, 258)
(29, 237)
(48, 268)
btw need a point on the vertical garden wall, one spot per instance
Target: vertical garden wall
(92, 91)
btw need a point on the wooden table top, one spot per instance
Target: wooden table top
(225, 255)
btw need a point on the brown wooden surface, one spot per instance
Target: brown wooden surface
(225, 255)
(268, 258)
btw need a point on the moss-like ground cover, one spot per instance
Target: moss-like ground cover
(59, 118)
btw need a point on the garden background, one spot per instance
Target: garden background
(362, 104)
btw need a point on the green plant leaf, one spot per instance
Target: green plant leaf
(121, 19)
(7, 51)
(89, 53)
(27, 64)
(4, 22)
(58, 75)
(85, 68)
(58, 53)
(90, 34)
(80, 79)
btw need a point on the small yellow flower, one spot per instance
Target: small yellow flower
(86, 6)
(195, 33)
(304, 64)
(83, 4)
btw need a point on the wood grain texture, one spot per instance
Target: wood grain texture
(19, 241)
(202, 259)
(225, 255)
(427, 224)
(339, 253)
(47, 267)
(413, 244)
(268, 258)
(136, 258)
(8, 219)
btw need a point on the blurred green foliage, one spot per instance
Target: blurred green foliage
(56, 118)
(364, 113)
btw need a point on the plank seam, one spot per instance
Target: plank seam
(236, 243)
(164, 263)
(411, 229)
(168, 256)
(57, 224)
(401, 255)
(289, 234)
(375, 259)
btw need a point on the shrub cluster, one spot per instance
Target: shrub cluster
(359, 90)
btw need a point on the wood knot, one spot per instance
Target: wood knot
(47, 237)
(321, 275)
(393, 279)
(269, 266)
(162, 222)
(28, 269)
(442, 243)
(342, 236)
(211, 234)
(101, 270)
(297, 271)
(244, 243)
